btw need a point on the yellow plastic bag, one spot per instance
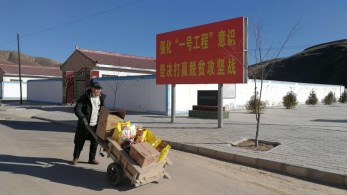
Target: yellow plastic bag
(163, 148)
(159, 144)
(152, 139)
(117, 132)
(141, 135)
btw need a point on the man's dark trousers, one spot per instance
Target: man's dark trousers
(79, 143)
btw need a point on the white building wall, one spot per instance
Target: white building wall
(102, 73)
(273, 92)
(11, 90)
(48, 91)
(137, 93)
(24, 79)
(141, 94)
(187, 95)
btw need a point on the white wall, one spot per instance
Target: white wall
(135, 93)
(49, 91)
(273, 92)
(187, 95)
(11, 90)
(24, 79)
(118, 73)
(141, 94)
(235, 96)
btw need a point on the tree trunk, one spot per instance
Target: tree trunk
(257, 132)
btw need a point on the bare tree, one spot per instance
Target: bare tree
(263, 66)
(115, 86)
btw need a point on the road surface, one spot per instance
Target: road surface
(35, 158)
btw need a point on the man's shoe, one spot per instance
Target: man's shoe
(75, 161)
(93, 162)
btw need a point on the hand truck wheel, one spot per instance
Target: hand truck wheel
(114, 173)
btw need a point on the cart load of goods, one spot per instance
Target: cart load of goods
(140, 143)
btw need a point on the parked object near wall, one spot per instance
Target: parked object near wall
(207, 105)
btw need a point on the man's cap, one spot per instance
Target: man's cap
(95, 84)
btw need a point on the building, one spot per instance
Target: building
(10, 87)
(85, 64)
(10, 73)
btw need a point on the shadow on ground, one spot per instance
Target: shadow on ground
(37, 126)
(58, 171)
(38, 105)
(330, 120)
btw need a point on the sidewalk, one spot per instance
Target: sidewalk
(313, 140)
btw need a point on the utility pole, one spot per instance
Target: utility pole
(20, 75)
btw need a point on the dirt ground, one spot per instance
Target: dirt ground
(250, 145)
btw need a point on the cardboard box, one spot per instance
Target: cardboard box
(108, 121)
(144, 154)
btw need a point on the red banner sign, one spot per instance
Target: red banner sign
(211, 53)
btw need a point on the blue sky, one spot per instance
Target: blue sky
(52, 29)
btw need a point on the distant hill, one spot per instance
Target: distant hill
(11, 57)
(322, 64)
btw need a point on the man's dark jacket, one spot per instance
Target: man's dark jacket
(83, 111)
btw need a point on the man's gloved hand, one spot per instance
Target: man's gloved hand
(85, 122)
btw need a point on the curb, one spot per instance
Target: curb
(333, 179)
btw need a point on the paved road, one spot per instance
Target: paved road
(35, 158)
(313, 140)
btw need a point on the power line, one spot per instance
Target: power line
(5, 8)
(15, 7)
(81, 19)
(8, 9)
(73, 21)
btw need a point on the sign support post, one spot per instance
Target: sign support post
(220, 105)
